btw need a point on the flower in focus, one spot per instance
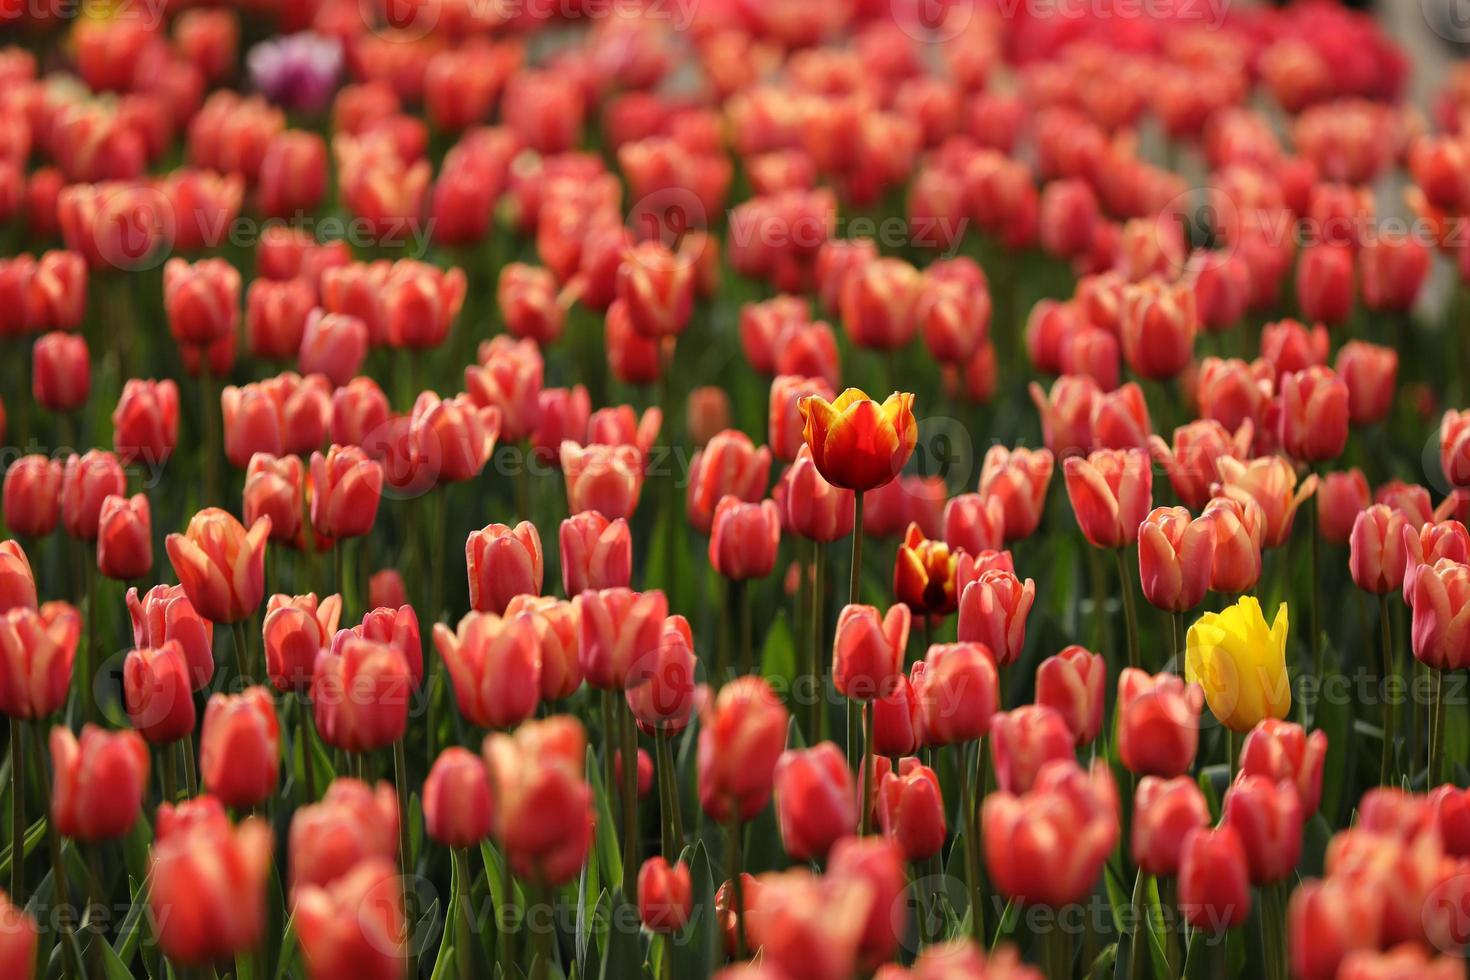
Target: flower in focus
(220, 565)
(856, 443)
(1240, 662)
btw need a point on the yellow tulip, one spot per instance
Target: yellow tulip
(1241, 664)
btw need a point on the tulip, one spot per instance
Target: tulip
(1426, 546)
(61, 374)
(1314, 414)
(877, 304)
(17, 582)
(744, 539)
(1111, 491)
(399, 628)
(953, 309)
(495, 665)
(276, 315)
(1281, 751)
(457, 802)
(1324, 283)
(1240, 662)
(857, 444)
(18, 936)
(240, 747)
(125, 537)
(1370, 373)
(619, 425)
(332, 344)
(974, 524)
(359, 410)
(385, 588)
(816, 803)
(275, 488)
(544, 817)
(897, 724)
(285, 414)
(1192, 462)
(657, 288)
(1166, 812)
(1214, 883)
(527, 298)
(807, 926)
(202, 300)
(352, 823)
(296, 631)
(86, 482)
(957, 693)
(604, 478)
(876, 865)
(665, 899)
(1047, 846)
(662, 701)
(1018, 479)
(355, 925)
(1441, 623)
(1268, 817)
(924, 575)
(503, 562)
(1232, 392)
(165, 614)
(1120, 419)
(220, 565)
(207, 882)
(420, 303)
(1158, 723)
(1071, 683)
(1377, 554)
(815, 509)
(360, 694)
(1023, 741)
(620, 634)
(145, 423)
(1454, 448)
(993, 612)
(739, 745)
(1238, 526)
(508, 377)
(1288, 346)
(1271, 481)
(596, 553)
(99, 782)
(729, 466)
(1340, 498)
(157, 693)
(1175, 557)
(1327, 921)
(868, 649)
(1066, 413)
(37, 650)
(1158, 328)
(911, 810)
(785, 427)
(33, 495)
(346, 487)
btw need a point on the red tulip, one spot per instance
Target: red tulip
(1214, 882)
(285, 414)
(145, 423)
(1165, 813)
(1239, 526)
(360, 694)
(1272, 482)
(1120, 419)
(1158, 329)
(1282, 752)
(897, 722)
(634, 358)
(730, 465)
(662, 700)
(1047, 847)
(458, 808)
(993, 612)
(359, 410)
(1111, 491)
(1370, 373)
(544, 816)
(37, 650)
(33, 495)
(1377, 554)
(275, 317)
(957, 692)
(495, 666)
(202, 300)
(355, 926)
(665, 901)
(1175, 556)
(296, 631)
(1018, 478)
(603, 478)
(1066, 413)
(876, 865)
(1233, 392)
(385, 588)
(1324, 283)
(657, 289)
(911, 810)
(1023, 741)
(86, 482)
(346, 487)
(351, 824)
(1071, 683)
(564, 414)
(165, 614)
(503, 562)
(220, 565)
(1222, 287)
(293, 173)
(785, 428)
(399, 628)
(739, 744)
(596, 553)
(1158, 723)
(953, 309)
(240, 747)
(857, 443)
(275, 488)
(744, 539)
(420, 303)
(620, 631)
(61, 374)
(528, 302)
(1454, 447)
(868, 650)
(158, 692)
(815, 509)
(333, 345)
(125, 537)
(18, 935)
(1314, 414)
(1340, 498)
(17, 581)
(816, 802)
(1328, 920)
(1268, 817)
(1441, 624)
(98, 783)
(207, 882)
(1426, 546)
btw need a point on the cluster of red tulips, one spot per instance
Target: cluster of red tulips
(299, 296)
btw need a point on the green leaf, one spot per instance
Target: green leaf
(778, 654)
(605, 843)
(35, 833)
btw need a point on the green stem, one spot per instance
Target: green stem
(308, 745)
(239, 631)
(466, 922)
(733, 867)
(865, 819)
(1318, 648)
(405, 841)
(168, 773)
(191, 784)
(1058, 953)
(972, 849)
(1130, 610)
(17, 812)
(630, 804)
(1385, 768)
(1436, 729)
(541, 939)
(505, 917)
(669, 786)
(610, 737)
(816, 724)
(1181, 641)
(854, 589)
(747, 643)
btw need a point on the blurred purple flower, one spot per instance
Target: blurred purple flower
(298, 71)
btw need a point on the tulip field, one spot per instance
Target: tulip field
(756, 489)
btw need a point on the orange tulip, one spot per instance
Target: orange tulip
(99, 782)
(221, 565)
(924, 575)
(857, 443)
(37, 650)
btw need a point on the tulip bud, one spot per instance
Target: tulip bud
(495, 665)
(61, 374)
(1158, 723)
(815, 509)
(878, 304)
(1214, 884)
(974, 524)
(360, 694)
(1018, 479)
(744, 539)
(1165, 813)
(604, 478)
(1370, 373)
(911, 810)
(1454, 448)
(1071, 683)
(346, 487)
(816, 802)
(296, 631)
(457, 802)
(662, 700)
(1314, 414)
(1175, 556)
(957, 692)
(545, 815)
(1240, 662)
(352, 823)
(595, 553)
(220, 565)
(240, 747)
(86, 482)
(1047, 846)
(707, 413)
(37, 650)
(1328, 920)
(1111, 491)
(99, 782)
(503, 562)
(1282, 752)
(785, 428)
(1023, 741)
(897, 724)
(17, 581)
(1159, 324)
(993, 612)
(739, 744)
(1272, 482)
(164, 614)
(202, 300)
(18, 936)
(868, 650)
(1441, 634)
(665, 901)
(729, 466)
(157, 693)
(1324, 283)
(1340, 498)
(1238, 525)
(33, 495)
(276, 315)
(1268, 817)
(1377, 555)
(125, 537)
